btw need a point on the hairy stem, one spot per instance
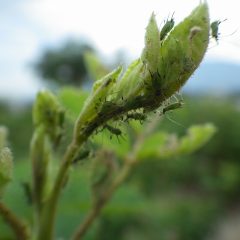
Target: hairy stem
(19, 228)
(46, 230)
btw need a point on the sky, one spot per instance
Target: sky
(28, 27)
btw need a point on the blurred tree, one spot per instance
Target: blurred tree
(64, 65)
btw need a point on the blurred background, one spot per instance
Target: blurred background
(196, 197)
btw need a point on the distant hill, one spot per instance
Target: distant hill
(215, 78)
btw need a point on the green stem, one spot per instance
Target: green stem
(39, 167)
(19, 228)
(46, 229)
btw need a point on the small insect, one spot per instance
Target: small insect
(136, 116)
(167, 27)
(155, 86)
(135, 103)
(215, 30)
(113, 130)
(172, 106)
(85, 153)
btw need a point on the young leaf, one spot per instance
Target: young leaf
(151, 52)
(95, 67)
(196, 137)
(163, 145)
(72, 100)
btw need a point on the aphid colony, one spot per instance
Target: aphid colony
(137, 115)
(154, 88)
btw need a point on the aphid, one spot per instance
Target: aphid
(135, 102)
(136, 116)
(108, 106)
(172, 106)
(113, 130)
(81, 156)
(167, 27)
(155, 83)
(214, 29)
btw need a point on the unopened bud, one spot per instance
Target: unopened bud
(6, 168)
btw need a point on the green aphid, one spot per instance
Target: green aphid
(136, 116)
(156, 80)
(172, 106)
(167, 27)
(135, 102)
(215, 30)
(141, 117)
(113, 130)
(83, 154)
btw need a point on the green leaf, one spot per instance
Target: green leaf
(72, 100)
(151, 52)
(196, 137)
(152, 144)
(98, 96)
(163, 145)
(95, 67)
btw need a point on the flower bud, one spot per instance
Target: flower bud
(184, 49)
(6, 167)
(3, 136)
(100, 92)
(151, 52)
(48, 113)
(166, 63)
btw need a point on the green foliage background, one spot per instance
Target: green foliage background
(171, 195)
(178, 198)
